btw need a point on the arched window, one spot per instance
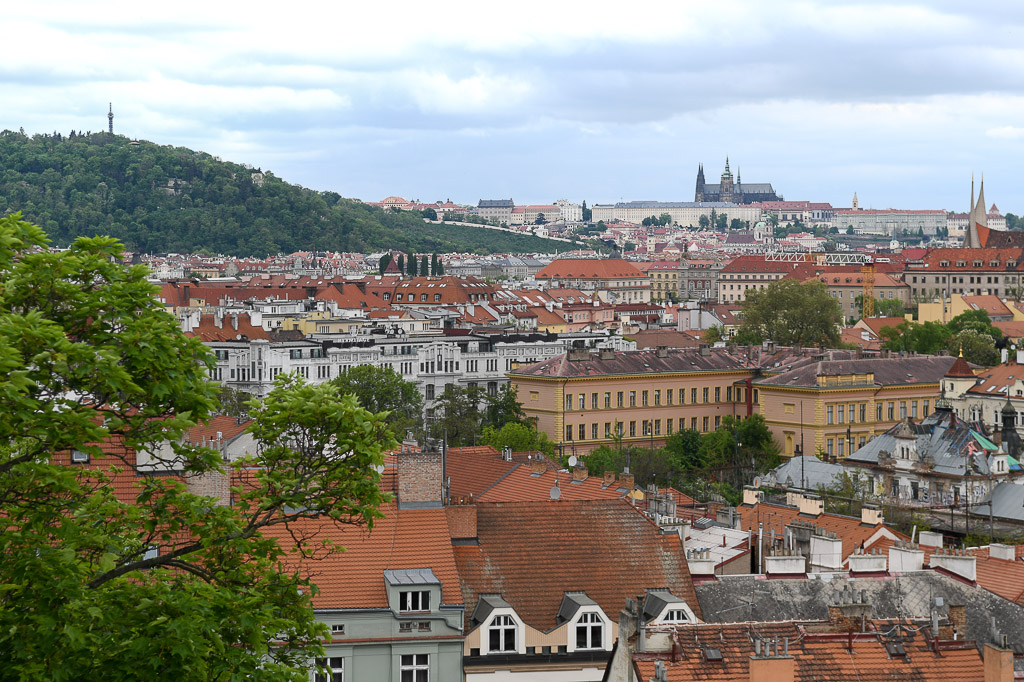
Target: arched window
(502, 634)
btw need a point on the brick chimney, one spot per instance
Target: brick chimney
(419, 479)
(851, 610)
(461, 521)
(579, 473)
(998, 664)
(626, 481)
(538, 466)
(769, 664)
(871, 515)
(751, 495)
(609, 479)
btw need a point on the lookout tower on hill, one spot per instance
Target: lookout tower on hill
(110, 119)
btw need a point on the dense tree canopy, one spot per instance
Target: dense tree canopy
(161, 198)
(103, 581)
(789, 312)
(971, 333)
(382, 389)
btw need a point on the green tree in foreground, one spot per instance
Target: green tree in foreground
(100, 583)
(518, 437)
(382, 389)
(789, 312)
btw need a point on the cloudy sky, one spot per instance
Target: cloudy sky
(603, 101)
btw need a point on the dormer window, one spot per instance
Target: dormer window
(676, 616)
(501, 635)
(590, 632)
(414, 601)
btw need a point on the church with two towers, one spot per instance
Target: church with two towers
(733, 192)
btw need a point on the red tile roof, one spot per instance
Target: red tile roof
(207, 330)
(473, 470)
(521, 485)
(590, 268)
(410, 538)
(531, 553)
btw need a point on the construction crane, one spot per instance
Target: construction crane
(868, 295)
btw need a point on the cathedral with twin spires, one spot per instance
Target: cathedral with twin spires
(733, 192)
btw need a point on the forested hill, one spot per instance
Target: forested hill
(161, 198)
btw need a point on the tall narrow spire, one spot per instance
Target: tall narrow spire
(110, 118)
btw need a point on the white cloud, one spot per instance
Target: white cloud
(1006, 133)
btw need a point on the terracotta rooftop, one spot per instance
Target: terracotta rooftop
(473, 470)
(410, 538)
(521, 485)
(590, 268)
(816, 655)
(531, 553)
(637, 362)
(960, 368)
(232, 328)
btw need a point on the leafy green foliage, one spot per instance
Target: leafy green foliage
(884, 307)
(383, 390)
(518, 437)
(103, 581)
(971, 333)
(160, 198)
(789, 312)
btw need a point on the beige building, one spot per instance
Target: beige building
(755, 272)
(581, 400)
(685, 213)
(611, 280)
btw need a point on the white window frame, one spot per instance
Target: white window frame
(504, 625)
(587, 623)
(606, 630)
(663, 617)
(520, 632)
(335, 667)
(414, 601)
(416, 665)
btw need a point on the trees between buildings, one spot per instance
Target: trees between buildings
(115, 569)
(789, 312)
(383, 390)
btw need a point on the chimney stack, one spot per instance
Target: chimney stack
(871, 515)
(461, 521)
(537, 465)
(579, 473)
(626, 481)
(905, 557)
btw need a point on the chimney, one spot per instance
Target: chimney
(929, 538)
(461, 521)
(579, 473)
(1020, 357)
(785, 563)
(765, 668)
(905, 557)
(537, 465)
(606, 353)
(578, 355)
(700, 562)
(661, 351)
(850, 611)
(956, 561)
(826, 552)
(861, 563)
(998, 664)
(234, 322)
(812, 505)
(871, 515)
(794, 498)
(609, 479)
(419, 479)
(218, 318)
(751, 495)
(626, 481)
(1004, 552)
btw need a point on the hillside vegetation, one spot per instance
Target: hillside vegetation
(172, 199)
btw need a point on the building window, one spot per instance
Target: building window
(878, 412)
(706, 420)
(728, 394)
(828, 414)
(657, 397)
(429, 391)
(903, 409)
(693, 423)
(607, 399)
(618, 399)
(632, 429)
(828, 447)
(590, 632)
(676, 616)
(583, 401)
(414, 601)
(501, 636)
(415, 668)
(913, 409)
(607, 429)
(568, 402)
(693, 396)
(706, 395)
(568, 431)
(853, 413)
(892, 411)
(643, 398)
(842, 414)
(668, 427)
(657, 427)
(593, 401)
(924, 410)
(632, 398)
(668, 397)
(718, 421)
(583, 431)
(718, 394)
(333, 669)
(593, 431)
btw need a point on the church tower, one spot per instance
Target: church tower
(737, 195)
(725, 191)
(110, 119)
(976, 217)
(856, 204)
(699, 194)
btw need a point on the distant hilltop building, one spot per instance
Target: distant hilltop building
(735, 193)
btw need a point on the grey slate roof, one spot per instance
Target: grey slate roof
(891, 371)
(495, 203)
(807, 472)
(655, 602)
(486, 604)
(908, 595)
(571, 603)
(941, 437)
(1008, 502)
(411, 576)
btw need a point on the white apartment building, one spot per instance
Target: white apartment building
(684, 213)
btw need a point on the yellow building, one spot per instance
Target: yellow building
(582, 399)
(836, 406)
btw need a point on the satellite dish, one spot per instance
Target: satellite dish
(556, 492)
(572, 460)
(757, 481)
